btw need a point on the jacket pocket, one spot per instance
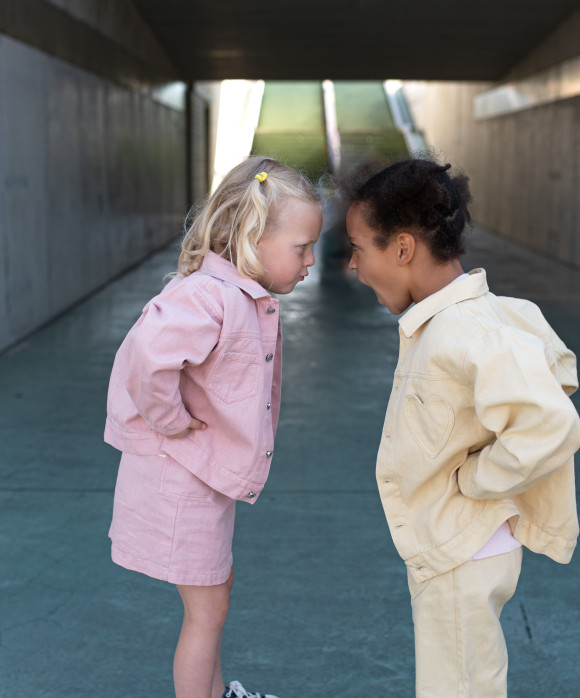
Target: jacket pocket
(177, 482)
(430, 422)
(236, 376)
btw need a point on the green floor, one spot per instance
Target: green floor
(320, 606)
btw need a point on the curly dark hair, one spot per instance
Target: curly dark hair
(419, 195)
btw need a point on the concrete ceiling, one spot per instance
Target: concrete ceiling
(351, 39)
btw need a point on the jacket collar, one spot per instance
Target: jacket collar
(471, 286)
(222, 268)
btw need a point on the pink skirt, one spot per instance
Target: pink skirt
(169, 524)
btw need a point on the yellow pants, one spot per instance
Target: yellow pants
(460, 649)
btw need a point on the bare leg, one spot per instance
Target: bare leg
(196, 665)
(218, 681)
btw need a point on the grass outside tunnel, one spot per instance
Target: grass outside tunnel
(291, 126)
(302, 151)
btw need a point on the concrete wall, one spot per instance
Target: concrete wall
(105, 37)
(524, 166)
(92, 173)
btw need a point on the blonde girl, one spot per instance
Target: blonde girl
(194, 400)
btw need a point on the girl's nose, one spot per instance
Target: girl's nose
(352, 263)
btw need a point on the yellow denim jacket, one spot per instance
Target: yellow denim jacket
(479, 429)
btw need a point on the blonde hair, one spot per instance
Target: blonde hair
(232, 220)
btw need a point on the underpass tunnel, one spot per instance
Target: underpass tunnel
(111, 113)
(116, 117)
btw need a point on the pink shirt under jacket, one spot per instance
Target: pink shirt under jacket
(208, 346)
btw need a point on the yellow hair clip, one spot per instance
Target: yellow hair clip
(261, 176)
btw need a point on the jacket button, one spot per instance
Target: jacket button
(269, 453)
(269, 406)
(269, 357)
(271, 310)
(251, 495)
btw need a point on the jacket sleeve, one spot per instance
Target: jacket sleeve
(517, 397)
(563, 363)
(177, 328)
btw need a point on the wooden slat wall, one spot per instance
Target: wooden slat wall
(524, 167)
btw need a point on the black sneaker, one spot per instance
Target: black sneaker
(236, 690)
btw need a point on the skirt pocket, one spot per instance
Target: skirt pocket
(177, 482)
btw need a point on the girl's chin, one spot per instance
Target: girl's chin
(389, 306)
(285, 289)
(380, 299)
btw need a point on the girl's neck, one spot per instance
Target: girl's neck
(430, 277)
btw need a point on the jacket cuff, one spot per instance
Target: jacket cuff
(465, 478)
(177, 425)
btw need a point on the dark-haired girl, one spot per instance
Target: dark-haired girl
(476, 454)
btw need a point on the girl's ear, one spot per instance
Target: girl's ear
(406, 245)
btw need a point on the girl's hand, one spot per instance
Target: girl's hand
(194, 424)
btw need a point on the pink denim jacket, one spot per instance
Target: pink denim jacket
(208, 346)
